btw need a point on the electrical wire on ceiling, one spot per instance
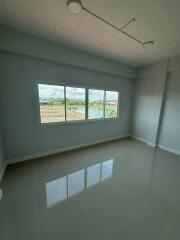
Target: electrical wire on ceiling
(76, 6)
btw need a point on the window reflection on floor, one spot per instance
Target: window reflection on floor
(107, 169)
(93, 175)
(76, 182)
(56, 191)
(63, 188)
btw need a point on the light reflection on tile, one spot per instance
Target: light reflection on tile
(93, 175)
(107, 169)
(140, 201)
(56, 191)
(76, 182)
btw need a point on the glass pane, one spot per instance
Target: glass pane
(51, 103)
(111, 104)
(75, 103)
(96, 104)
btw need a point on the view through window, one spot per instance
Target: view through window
(96, 104)
(111, 104)
(75, 103)
(64, 103)
(51, 103)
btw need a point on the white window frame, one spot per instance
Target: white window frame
(86, 105)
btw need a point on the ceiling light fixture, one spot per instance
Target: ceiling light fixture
(76, 6)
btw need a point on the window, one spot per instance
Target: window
(111, 104)
(51, 103)
(96, 104)
(75, 103)
(65, 104)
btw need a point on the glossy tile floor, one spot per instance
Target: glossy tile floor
(118, 190)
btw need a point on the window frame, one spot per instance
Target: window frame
(86, 104)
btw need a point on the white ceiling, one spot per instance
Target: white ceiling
(156, 20)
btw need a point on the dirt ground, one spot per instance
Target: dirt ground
(55, 113)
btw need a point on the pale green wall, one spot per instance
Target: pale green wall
(23, 135)
(19, 42)
(157, 90)
(1, 153)
(24, 61)
(149, 87)
(170, 130)
(1, 137)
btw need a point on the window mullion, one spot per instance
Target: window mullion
(118, 104)
(86, 104)
(65, 103)
(104, 104)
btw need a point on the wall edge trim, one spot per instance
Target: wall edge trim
(143, 140)
(65, 149)
(171, 150)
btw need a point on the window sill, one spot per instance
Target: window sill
(78, 121)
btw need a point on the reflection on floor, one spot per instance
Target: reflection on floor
(117, 190)
(76, 182)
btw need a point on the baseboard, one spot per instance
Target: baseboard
(169, 149)
(159, 146)
(2, 172)
(143, 140)
(60, 150)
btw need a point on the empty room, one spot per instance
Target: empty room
(89, 120)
